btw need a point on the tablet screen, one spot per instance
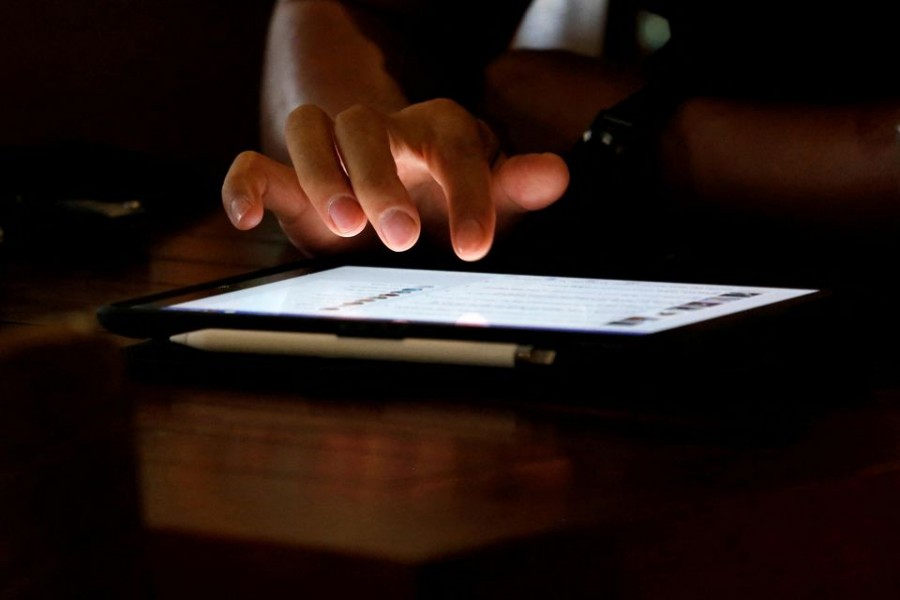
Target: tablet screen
(491, 300)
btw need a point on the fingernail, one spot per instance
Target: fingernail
(399, 229)
(239, 208)
(470, 240)
(346, 214)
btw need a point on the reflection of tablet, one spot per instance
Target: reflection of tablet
(446, 316)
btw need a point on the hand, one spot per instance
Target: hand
(430, 166)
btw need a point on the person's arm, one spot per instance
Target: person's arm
(831, 166)
(340, 76)
(317, 53)
(834, 167)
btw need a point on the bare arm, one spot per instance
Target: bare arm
(337, 54)
(317, 54)
(362, 118)
(834, 166)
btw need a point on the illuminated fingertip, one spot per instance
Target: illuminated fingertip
(470, 240)
(347, 215)
(398, 229)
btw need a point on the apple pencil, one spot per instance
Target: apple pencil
(325, 345)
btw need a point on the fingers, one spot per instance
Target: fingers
(255, 183)
(243, 190)
(347, 171)
(480, 185)
(431, 161)
(456, 149)
(529, 182)
(310, 143)
(461, 168)
(364, 142)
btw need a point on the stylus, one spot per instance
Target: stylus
(324, 345)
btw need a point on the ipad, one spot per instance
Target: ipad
(464, 317)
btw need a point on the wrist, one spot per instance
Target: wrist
(631, 129)
(616, 166)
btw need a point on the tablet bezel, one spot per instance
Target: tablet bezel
(144, 317)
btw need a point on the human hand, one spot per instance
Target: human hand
(431, 166)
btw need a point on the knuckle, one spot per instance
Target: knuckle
(445, 106)
(357, 117)
(247, 159)
(451, 118)
(456, 143)
(302, 117)
(243, 165)
(456, 131)
(373, 179)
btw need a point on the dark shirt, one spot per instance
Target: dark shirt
(767, 50)
(786, 50)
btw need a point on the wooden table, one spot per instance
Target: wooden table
(448, 483)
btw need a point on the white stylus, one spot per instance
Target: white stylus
(324, 345)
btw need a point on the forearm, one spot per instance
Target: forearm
(542, 100)
(837, 166)
(318, 54)
(383, 53)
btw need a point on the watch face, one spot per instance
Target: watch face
(610, 134)
(630, 126)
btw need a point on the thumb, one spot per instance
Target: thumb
(527, 182)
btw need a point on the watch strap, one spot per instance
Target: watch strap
(628, 126)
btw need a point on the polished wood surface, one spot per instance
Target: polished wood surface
(333, 480)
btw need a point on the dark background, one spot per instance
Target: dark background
(166, 83)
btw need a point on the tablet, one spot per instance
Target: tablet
(460, 317)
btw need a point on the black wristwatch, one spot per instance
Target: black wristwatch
(616, 193)
(629, 129)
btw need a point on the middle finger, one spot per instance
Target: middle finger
(363, 141)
